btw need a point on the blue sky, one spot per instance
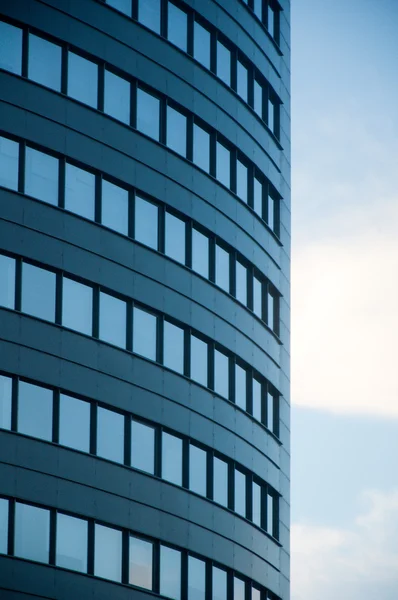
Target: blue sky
(344, 299)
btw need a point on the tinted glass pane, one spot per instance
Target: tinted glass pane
(170, 572)
(223, 164)
(271, 116)
(258, 98)
(123, 5)
(173, 347)
(223, 63)
(80, 191)
(5, 402)
(201, 44)
(242, 81)
(148, 110)
(74, 423)
(142, 447)
(201, 148)
(41, 176)
(271, 212)
(256, 594)
(256, 504)
(117, 97)
(32, 532)
(257, 399)
(221, 374)
(241, 283)
(112, 320)
(144, 333)
(175, 238)
(177, 26)
(176, 131)
(3, 526)
(110, 435)
(44, 62)
(199, 353)
(219, 584)
(108, 553)
(271, 21)
(149, 14)
(38, 292)
(196, 579)
(146, 222)
(35, 411)
(7, 278)
(240, 493)
(115, 206)
(222, 268)
(10, 48)
(240, 386)
(258, 197)
(220, 481)
(77, 306)
(200, 253)
(9, 153)
(270, 514)
(82, 79)
(257, 297)
(197, 470)
(270, 411)
(270, 311)
(71, 550)
(241, 181)
(239, 589)
(172, 458)
(140, 567)
(258, 8)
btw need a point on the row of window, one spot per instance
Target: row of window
(53, 537)
(53, 416)
(86, 308)
(187, 30)
(85, 193)
(152, 115)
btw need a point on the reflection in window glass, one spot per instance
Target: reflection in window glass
(123, 5)
(257, 297)
(242, 79)
(258, 98)
(146, 222)
(258, 8)
(258, 197)
(221, 374)
(115, 207)
(222, 268)
(271, 21)
(270, 411)
(270, 514)
(149, 14)
(240, 493)
(71, 550)
(271, 116)
(110, 435)
(196, 579)
(117, 97)
(271, 212)
(74, 423)
(148, 114)
(9, 155)
(220, 481)
(256, 594)
(241, 283)
(175, 238)
(41, 176)
(223, 164)
(240, 386)
(35, 411)
(197, 470)
(44, 62)
(108, 553)
(77, 306)
(141, 559)
(201, 44)
(173, 347)
(201, 148)
(3, 526)
(79, 191)
(199, 357)
(112, 320)
(219, 584)
(200, 253)
(256, 504)
(10, 48)
(172, 458)
(270, 311)
(32, 533)
(142, 447)
(239, 589)
(82, 79)
(257, 402)
(177, 26)
(176, 131)
(223, 63)
(5, 402)
(7, 278)
(241, 181)
(144, 333)
(170, 573)
(38, 292)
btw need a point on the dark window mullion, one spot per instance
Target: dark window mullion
(56, 409)
(125, 556)
(53, 533)
(25, 52)
(90, 548)
(11, 526)
(61, 182)
(14, 404)
(18, 284)
(96, 309)
(21, 167)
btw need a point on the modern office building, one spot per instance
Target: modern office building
(144, 292)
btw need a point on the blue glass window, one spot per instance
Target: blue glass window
(239, 589)
(144, 333)
(258, 197)
(257, 401)
(201, 148)
(44, 62)
(115, 207)
(35, 411)
(223, 63)
(270, 311)
(257, 297)
(240, 386)
(176, 131)
(117, 97)
(74, 423)
(256, 511)
(38, 292)
(173, 347)
(200, 253)
(270, 411)
(3, 526)
(32, 533)
(222, 268)
(242, 81)
(10, 48)
(199, 358)
(149, 14)
(71, 548)
(142, 447)
(271, 212)
(77, 306)
(175, 238)
(271, 116)
(112, 320)
(141, 563)
(9, 155)
(271, 21)
(197, 470)
(196, 579)
(123, 6)
(223, 164)
(80, 191)
(241, 181)
(110, 435)
(240, 493)
(5, 402)
(256, 594)
(146, 222)
(41, 176)
(170, 572)
(221, 374)
(258, 98)
(7, 278)
(172, 458)
(108, 553)
(241, 283)
(148, 114)
(82, 79)
(219, 584)
(201, 44)
(220, 481)
(270, 514)
(177, 26)
(258, 8)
